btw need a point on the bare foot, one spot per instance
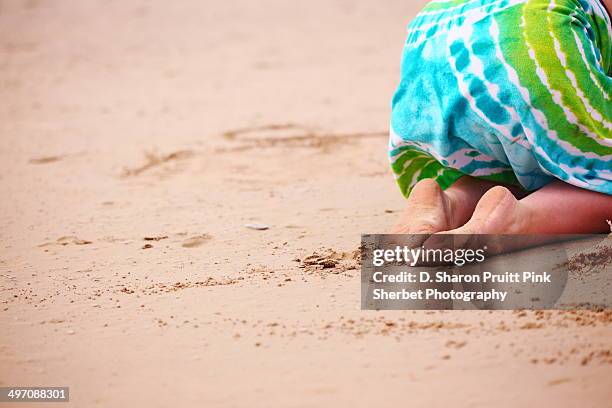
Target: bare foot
(428, 210)
(558, 208)
(432, 210)
(497, 212)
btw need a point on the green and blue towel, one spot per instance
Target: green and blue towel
(514, 91)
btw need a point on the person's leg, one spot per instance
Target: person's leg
(430, 209)
(557, 208)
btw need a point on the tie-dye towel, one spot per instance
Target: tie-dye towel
(515, 91)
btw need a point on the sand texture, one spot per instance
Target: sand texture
(183, 188)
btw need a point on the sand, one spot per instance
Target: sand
(139, 139)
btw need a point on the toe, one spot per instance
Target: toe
(494, 214)
(426, 193)
(424, 212)
(497, 199)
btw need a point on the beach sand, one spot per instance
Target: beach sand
(145, 148)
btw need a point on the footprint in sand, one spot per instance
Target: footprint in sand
(196, 241)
